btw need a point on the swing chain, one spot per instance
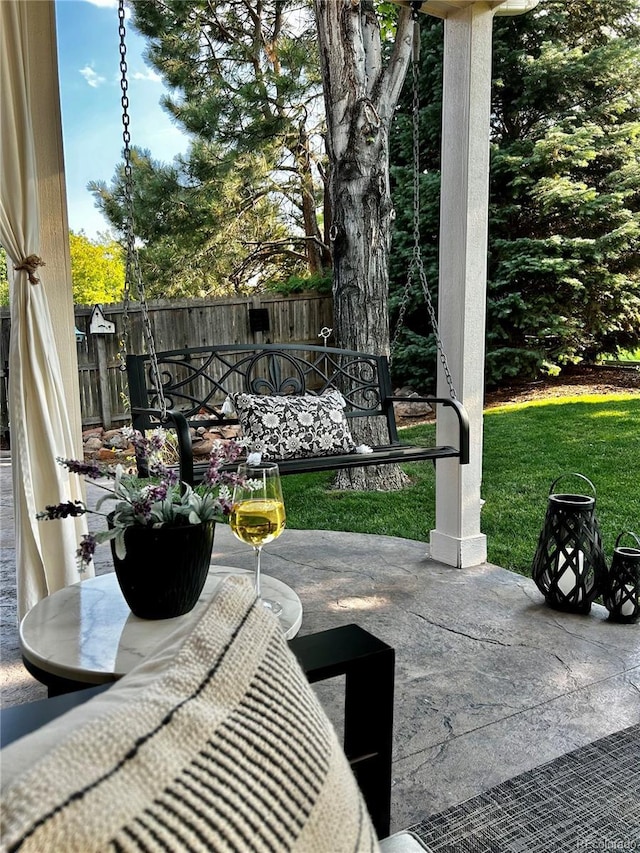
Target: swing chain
(416, 265)
(132, 269)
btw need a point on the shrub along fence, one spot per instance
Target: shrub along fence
(265, 318)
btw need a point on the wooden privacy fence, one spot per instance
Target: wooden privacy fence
(175, 325)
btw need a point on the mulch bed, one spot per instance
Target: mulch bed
(573, 381)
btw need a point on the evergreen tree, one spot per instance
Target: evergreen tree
(563, 277)
(200, 235)
(244, 202)
(413, 347)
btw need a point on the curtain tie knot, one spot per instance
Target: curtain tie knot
(30, 264)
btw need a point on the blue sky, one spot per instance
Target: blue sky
(89, 67)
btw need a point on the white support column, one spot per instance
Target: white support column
(457, 540)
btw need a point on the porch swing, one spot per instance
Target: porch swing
(294, 403)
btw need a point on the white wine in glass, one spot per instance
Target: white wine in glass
(257, 515)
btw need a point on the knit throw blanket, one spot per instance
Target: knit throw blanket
(227, 750)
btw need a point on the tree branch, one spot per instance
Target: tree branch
(394, 74)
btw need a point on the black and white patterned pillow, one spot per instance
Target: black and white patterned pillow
(289, 427)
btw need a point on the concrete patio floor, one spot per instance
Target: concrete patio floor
(490, 682)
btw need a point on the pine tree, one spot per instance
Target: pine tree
(199, 232)
(243, 205)
(563, 276)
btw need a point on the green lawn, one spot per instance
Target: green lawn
(628, 355)
(526, 446)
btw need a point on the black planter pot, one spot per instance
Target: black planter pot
(164, 569)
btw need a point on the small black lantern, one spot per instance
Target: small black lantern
(569, 567)
(622, 593)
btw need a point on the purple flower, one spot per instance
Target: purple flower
(142, 507)
(169, 475)
(157, 440)
(225, 506)
(87, 469)
(223, 453)
(147, 446)
(140, 443)
(161, 500)
(86, 550)
(62, 510)
(156, 492)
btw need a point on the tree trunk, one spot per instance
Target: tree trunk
(361, 94)
(318, 256)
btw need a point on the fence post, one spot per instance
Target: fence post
(99, 326)
(104, 391)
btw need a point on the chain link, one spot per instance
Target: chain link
(126, 337)
(132, 269)
(416, 266)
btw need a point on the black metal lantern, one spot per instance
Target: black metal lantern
(622, 593)
(569, 567)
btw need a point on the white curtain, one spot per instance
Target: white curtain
(39, 426)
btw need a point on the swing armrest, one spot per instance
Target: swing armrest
(460, 413)
(183, 434)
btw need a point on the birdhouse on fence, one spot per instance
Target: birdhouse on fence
(98, 324)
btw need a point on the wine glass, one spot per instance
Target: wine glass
(257, 513)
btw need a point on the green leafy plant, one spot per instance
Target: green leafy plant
(150, 502)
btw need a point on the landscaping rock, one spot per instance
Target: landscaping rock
(94, 432)
(106, 445)
(92, 445)
(113, 446)
(202, 447)
(408, 410)
(105, 454)
(116, 441)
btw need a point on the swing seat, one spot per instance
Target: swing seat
(196, 382)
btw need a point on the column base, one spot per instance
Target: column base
(459, 552)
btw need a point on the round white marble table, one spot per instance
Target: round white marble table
(86, 634)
